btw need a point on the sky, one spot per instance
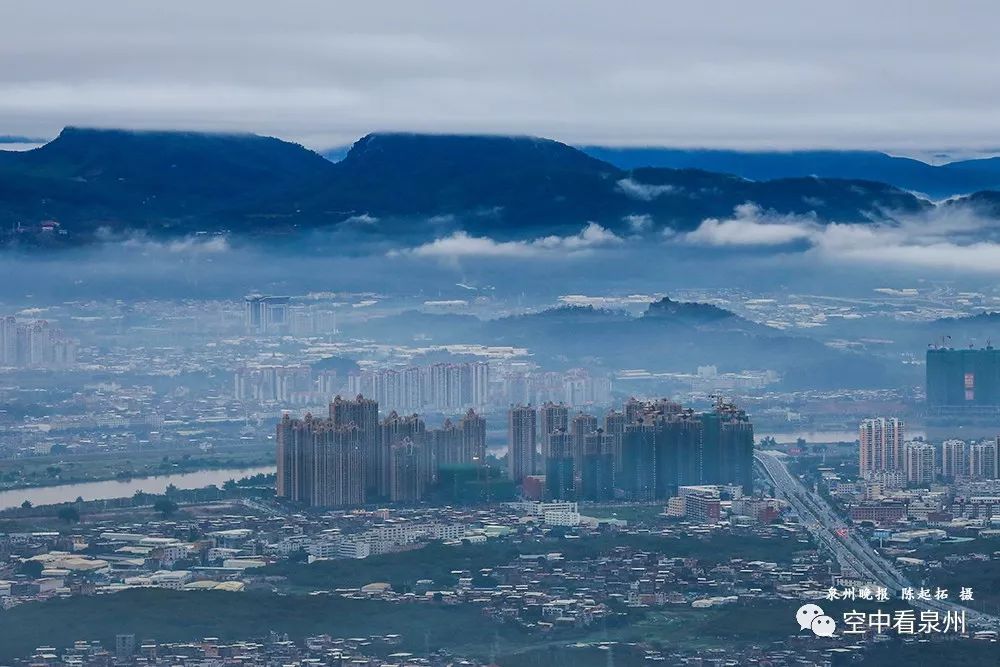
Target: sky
(909, 76)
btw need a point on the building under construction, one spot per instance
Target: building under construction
(963, 383)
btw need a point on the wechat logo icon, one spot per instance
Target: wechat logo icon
(811, 617)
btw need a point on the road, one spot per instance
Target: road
(851, 551)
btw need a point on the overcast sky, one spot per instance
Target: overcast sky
(905, 75)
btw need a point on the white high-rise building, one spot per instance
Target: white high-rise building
(35, 344)
(983, 460)
(918, 463)
(443, 386)
(412, 388)
(881, 445)
(266, 314)
(271, 383)
(8, 341)
(954, 459)
(479, 383)
(39, 343)
(581, 388)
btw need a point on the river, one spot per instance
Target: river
(64, 493)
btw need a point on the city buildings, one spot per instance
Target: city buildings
(266, 314)
(459, 444)
(560, 469)
(320, 462)
(666, 446)
(447, 443)
(597, 477)
(473, 427)
(881, 445)
(524, 588)
(352, 457)
(954, 459)
(409, 471)
(444, 387)
(554, 417)
(521, 448)
(580, 426)
(399, 459)
(700, 503)
(963, 377)
(614, 428)
(394, 431)
(918, 463)
(282, 384)
(34, 344)
(962, 384)
(438, 387)
(575, 387)
(362, 413)
(960, 460)
(582, 388)
(983, 460)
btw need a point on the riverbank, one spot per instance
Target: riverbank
(111, 489)
(59, 469)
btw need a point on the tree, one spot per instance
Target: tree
(484, 581)
(31, 568)
(26, 505)
(165, 507)
(69, 514)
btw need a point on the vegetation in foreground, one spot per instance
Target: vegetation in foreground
(437, 562)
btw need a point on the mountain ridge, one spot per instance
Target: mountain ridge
(393, 185)
(670, 336)
(959, 177)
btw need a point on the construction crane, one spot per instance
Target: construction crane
(721, 404)
(942, 343)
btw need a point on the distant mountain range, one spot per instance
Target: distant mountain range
(397, 186)
(670, 336)
(19, 139)
(955, 178)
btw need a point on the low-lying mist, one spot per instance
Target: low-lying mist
(752, 251)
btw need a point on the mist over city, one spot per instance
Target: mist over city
(439, 335)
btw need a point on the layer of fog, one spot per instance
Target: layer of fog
(752, 251)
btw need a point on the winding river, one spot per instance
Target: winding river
(64, 493)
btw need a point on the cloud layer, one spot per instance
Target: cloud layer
(951, 238)
(644, 191)
(750, 226)
(461, 244)
(788, 74)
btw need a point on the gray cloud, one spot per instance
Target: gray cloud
(894, 74)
